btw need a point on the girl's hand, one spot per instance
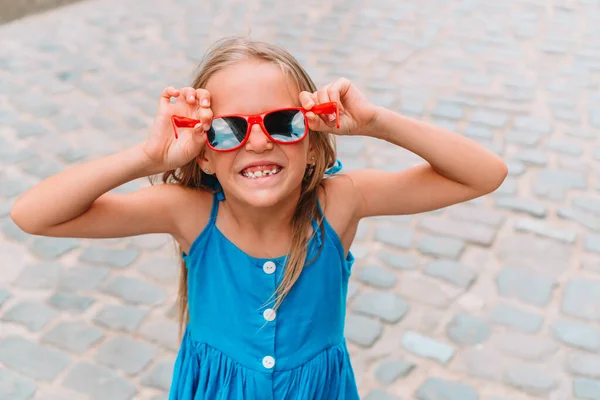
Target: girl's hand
(357, 113)
(161, 146)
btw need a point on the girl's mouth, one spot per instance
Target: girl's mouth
(261, 171)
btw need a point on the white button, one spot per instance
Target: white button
(269, 314)
(268, 362)
(269, 267)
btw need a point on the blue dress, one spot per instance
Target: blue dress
(236, 347)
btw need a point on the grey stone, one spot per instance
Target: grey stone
(592, 243)
(425, 291)
(440, 246)
(394, 236)
(525, 346)
(530, 379)
(14, 387)
(481, 362)
(161, 268)
(507, 188)
(126, 354)
(27, 129)
(50, 247)
(577, 335)
(515, 167)
(552, 184)
(4, 295)
(32, 315)
(41, 168)
(523, 138)
(544, 229)
(11, 188)
(588, 204)
(515, 318)
(564, 146)
(397, 260)
(477, 214)
(387, 306)
(70, 301)
(439, 389)
(391, 370)
(150, 242)
(377, 277)
(581, 298)
(522, 205)
(525, 285)
(427, 347)
(76, 337)
(82, 278)
(31, 359)
(12, 231)
(378, 394)
(135, 291)
(478, 132)
(449, 110)
(43, 275)
(489, 118)
(533, 124)
(452, 272)
(116, 258)
(363, 331)
(532, 156)
(120, 318)
(586, 389)
(585, 219)
(468, 330)
(468, 231)
(584, 364)
(160, 375)
(161, 331)
(99, 383)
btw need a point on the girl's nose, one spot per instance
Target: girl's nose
(258, 141)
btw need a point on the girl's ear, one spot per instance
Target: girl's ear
(204, 163)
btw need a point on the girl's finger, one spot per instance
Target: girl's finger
(323, 97)
(205, 116)
(167, 93)
(203, 97)
(337, 90)
(315, 123)
(307, 100)
(189, 94)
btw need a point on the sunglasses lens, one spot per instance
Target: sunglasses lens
(286, 125)
(227, 133)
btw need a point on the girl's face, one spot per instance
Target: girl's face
(255, 87)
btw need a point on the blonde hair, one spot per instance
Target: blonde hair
(227, 52)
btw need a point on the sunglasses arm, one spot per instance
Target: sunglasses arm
(328, 108)
(182, 122)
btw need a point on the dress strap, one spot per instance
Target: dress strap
(217, 197)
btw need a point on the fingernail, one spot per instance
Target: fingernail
(206, 127)
(198, 126)
(190, 97)
(205, 102)
(310, 103)
(331, 117)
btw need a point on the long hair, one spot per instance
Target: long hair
(222, 54)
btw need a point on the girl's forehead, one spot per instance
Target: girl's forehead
(251, 87)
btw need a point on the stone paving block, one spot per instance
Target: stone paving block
(76, 337)
(391, 370)
(81, 278)
(553, 184)
(481, 362)
(481, 215)
(468, 231)
(151, 242)
(541, 228)
(134, 291)
(362, 330)
(387, 306)
(99, 383)
(4, 295)
(378, 394)
(516, 318)
(581, 298)
(530, 379)
(468, 330)
(530, 207)
(583, 218)
(583, 364)
(394, 236)
(13, 232)
(49, 247)
(162, 331)
(42, 275)
(586, 389)
(525, 285)
(424, 346)
(592, 243)
(125, 353)
(425, 291)
(492, 119)
(507, 188)
(70, 302)
(397, 260)
(15, 387)
(588, 204)
(108, 257)
(564, 146)
(121, 318)
(478, 132)
(523, 138)
(161, 268)
(524, 346)
(544, 256)
(576, 334)
(533, 124)
(377, 276)
(449, 110)
(160, 375)
(41, 168)
(452, 272)
(441, 246)
(40, 363)
(438, 389)
(535, 157)
(34, 316)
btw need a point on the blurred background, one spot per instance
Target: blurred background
(496, 299)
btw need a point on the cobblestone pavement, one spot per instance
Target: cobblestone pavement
(495, 299)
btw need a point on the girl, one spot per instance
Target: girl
(264, 237)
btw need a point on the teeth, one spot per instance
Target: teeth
(260, 174)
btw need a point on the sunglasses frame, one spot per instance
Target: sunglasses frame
(325, 108)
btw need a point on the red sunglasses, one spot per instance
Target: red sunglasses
(283, 126)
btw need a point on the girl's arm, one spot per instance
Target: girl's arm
(457, 169)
